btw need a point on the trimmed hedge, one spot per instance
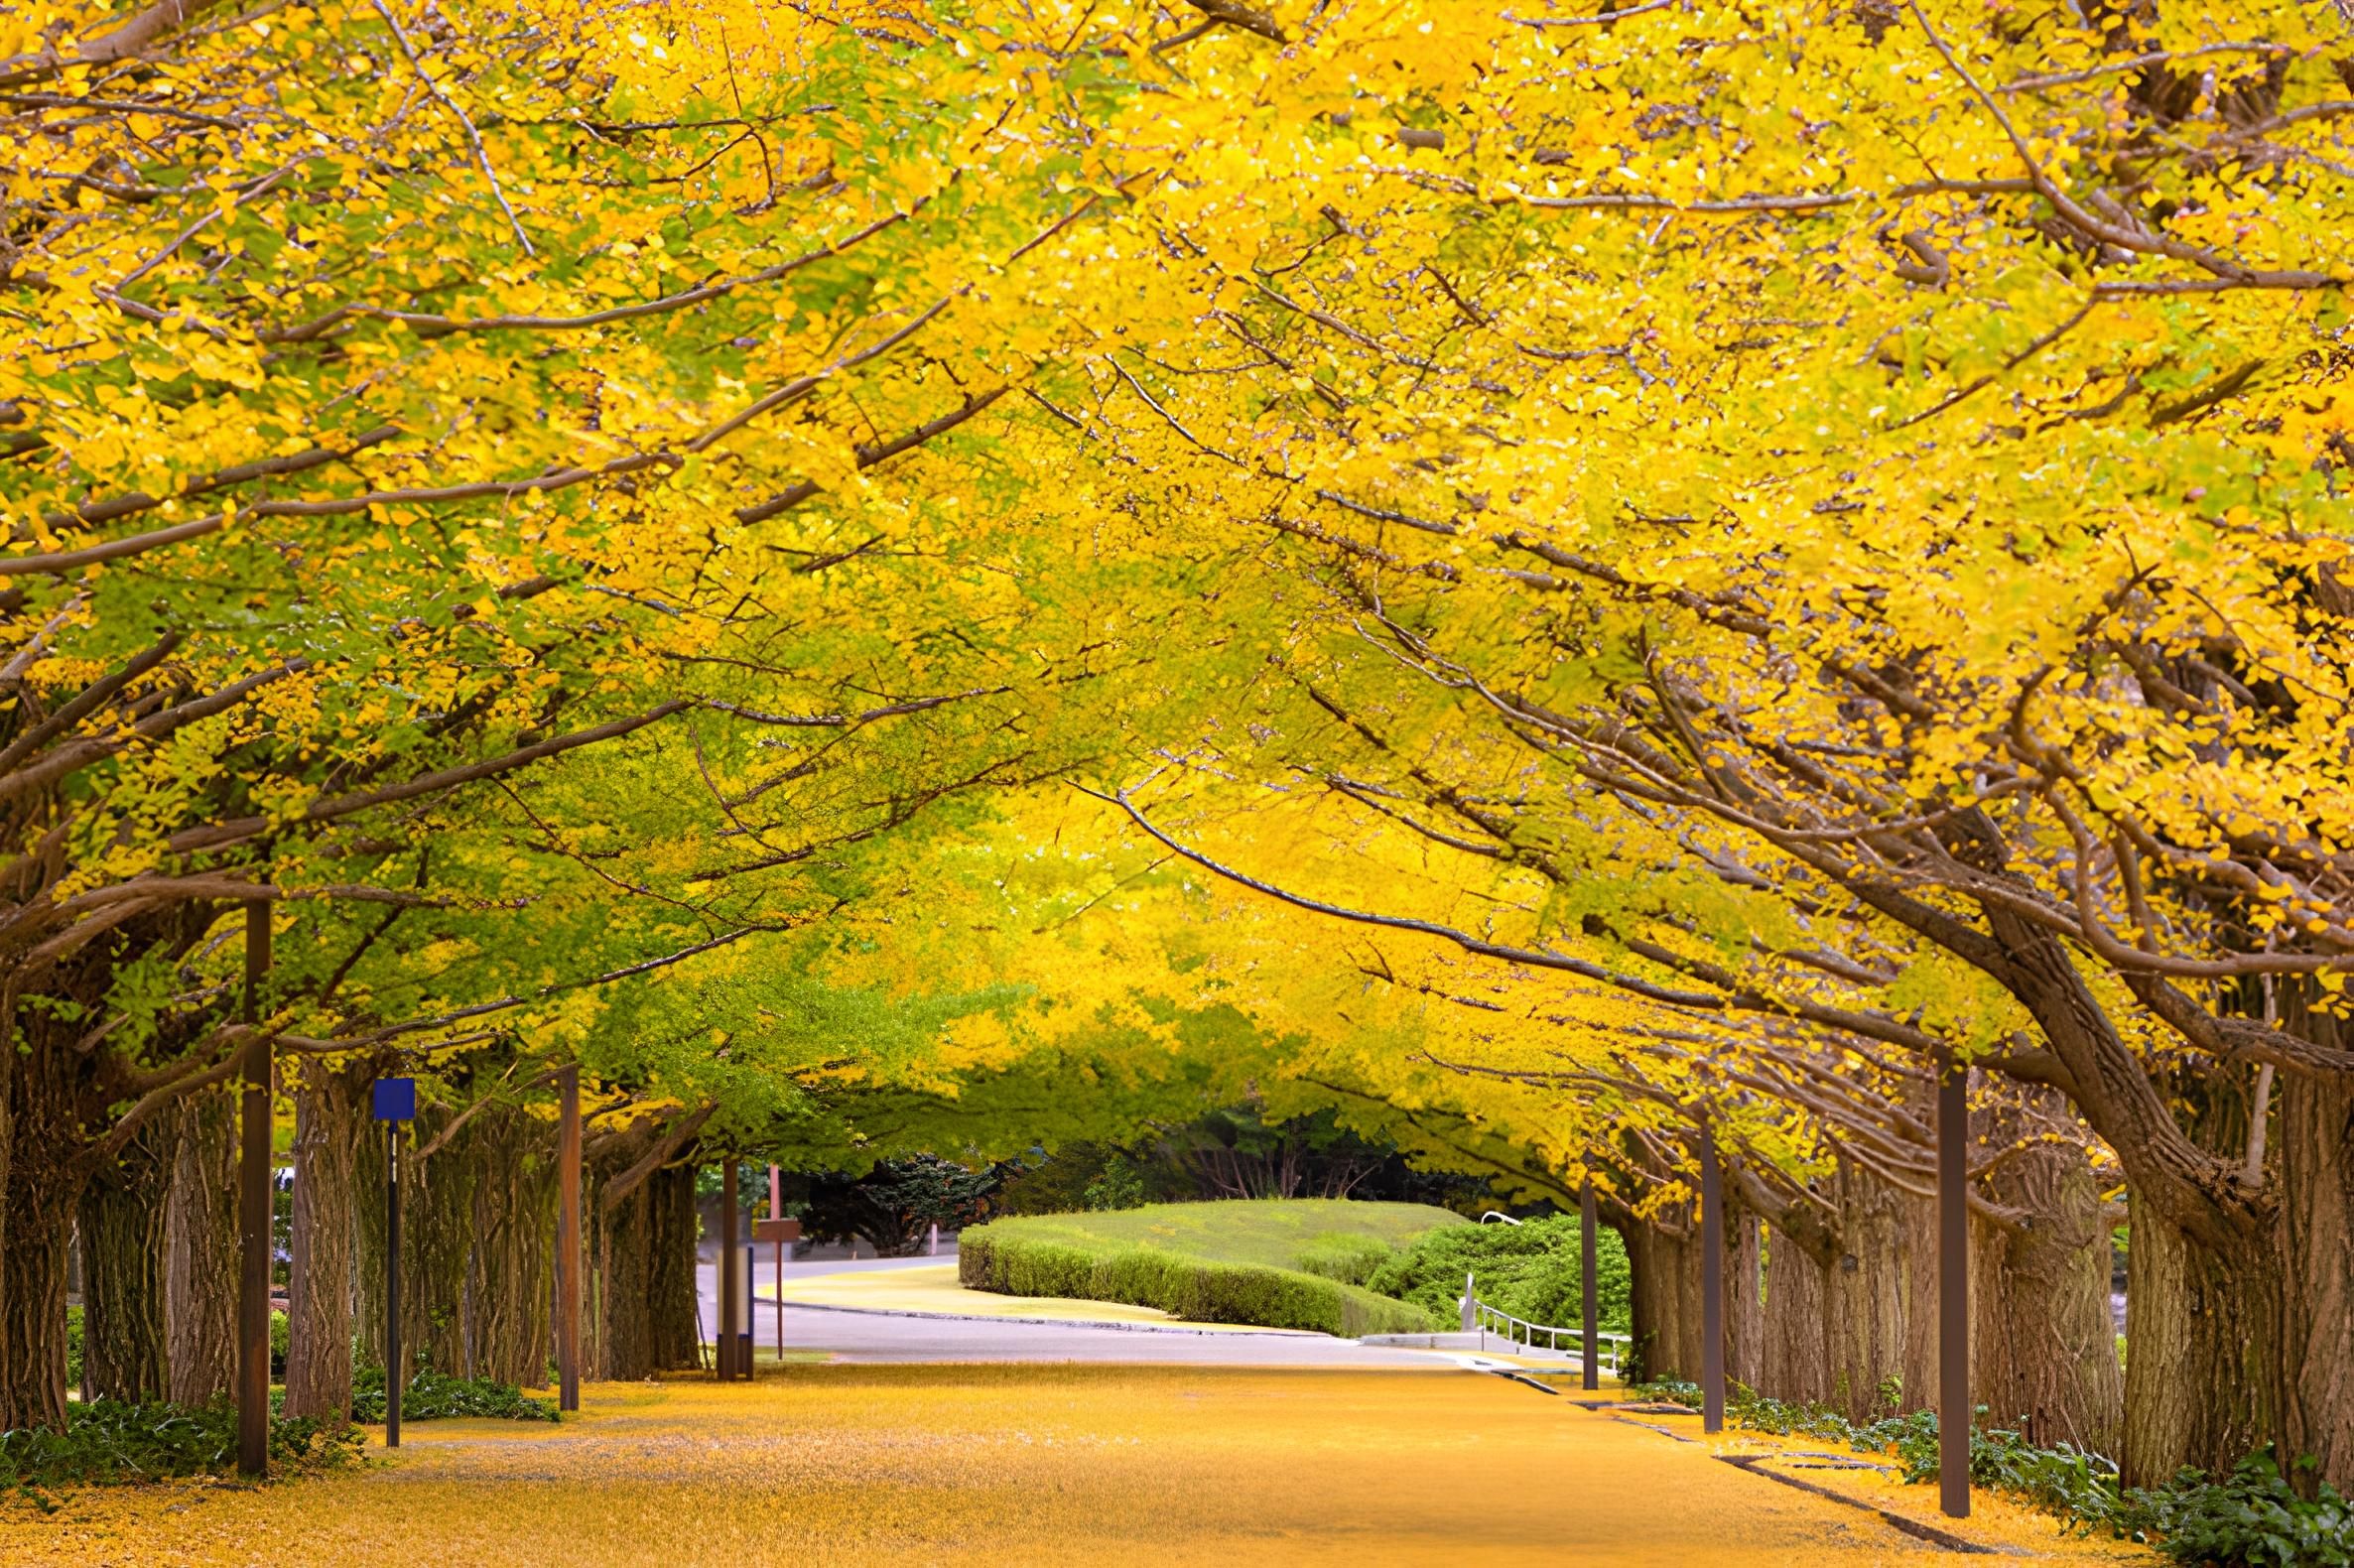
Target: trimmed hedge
(996, 1258)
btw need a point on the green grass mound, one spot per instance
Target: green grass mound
(1278, 1262)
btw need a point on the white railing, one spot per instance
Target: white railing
(1483, 1318)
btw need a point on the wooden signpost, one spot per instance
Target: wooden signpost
(780, 1232)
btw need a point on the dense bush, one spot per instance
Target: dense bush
(994, 1258)
(1533, 1270)
(2255, 1520)
(431, 1396)
(1350, 1259)
(107, 1440)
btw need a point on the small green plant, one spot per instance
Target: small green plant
(430, 1395)
(2254, 1519)
(73, 1347)
(111, 1441)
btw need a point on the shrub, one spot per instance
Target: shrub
(109, 1440)
(431, 1396)
(1205, 1291)
(1533, 1271)
(2254, 1520)
(73, 1347)
(1336, 1254)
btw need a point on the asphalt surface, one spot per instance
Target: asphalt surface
(876, 1337)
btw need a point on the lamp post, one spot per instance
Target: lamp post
(393, 1100)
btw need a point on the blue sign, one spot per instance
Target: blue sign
(396, 1098)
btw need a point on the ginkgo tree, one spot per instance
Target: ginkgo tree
(1884, 461)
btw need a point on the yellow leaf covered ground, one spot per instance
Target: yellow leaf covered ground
(1028, 1464)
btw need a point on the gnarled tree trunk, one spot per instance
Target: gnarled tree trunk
(511, 1282)
(2043, 1346)
(39, 1192)
(328, 1128)
(1797, 1357)
(1878, 1364)
(1745, 1306)
(201, 1250)
(677, 1330)
(626, 1335)
(1663, 1270)
(437, 1240)
(122, 1256)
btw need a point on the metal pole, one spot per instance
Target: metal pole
(1593, 1324)
(254, 1213)
(1953, 1293)
(1712, 1285)
(776, 1211)
(568, 1241)
(395, 1373)
(727, 1366)
(744, 1334)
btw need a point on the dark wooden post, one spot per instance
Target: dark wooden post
(1586, 1230)
(254, 1212)
(1953, 1293)
(568, 1241)
(1711, 1284)
(727, 1367)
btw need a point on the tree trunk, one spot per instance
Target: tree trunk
(677, 1328)
(328, 1130)
(2043, 1346)
(1665, 1276)
(38, 1198)
(625, 1293)
(122, 1251)
(1797, 1360)
(1745, 1306)
(511, 1298)
(32, 1292)
(2203, 1352)
(2314, 1235)
(2236, 1343)
(201, 1250)
(437, 1246)
(1877, 1366)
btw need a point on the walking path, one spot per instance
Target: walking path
(889, 1438)
(867, 1465)
(910, 1309)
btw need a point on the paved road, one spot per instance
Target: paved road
(869, 1337)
